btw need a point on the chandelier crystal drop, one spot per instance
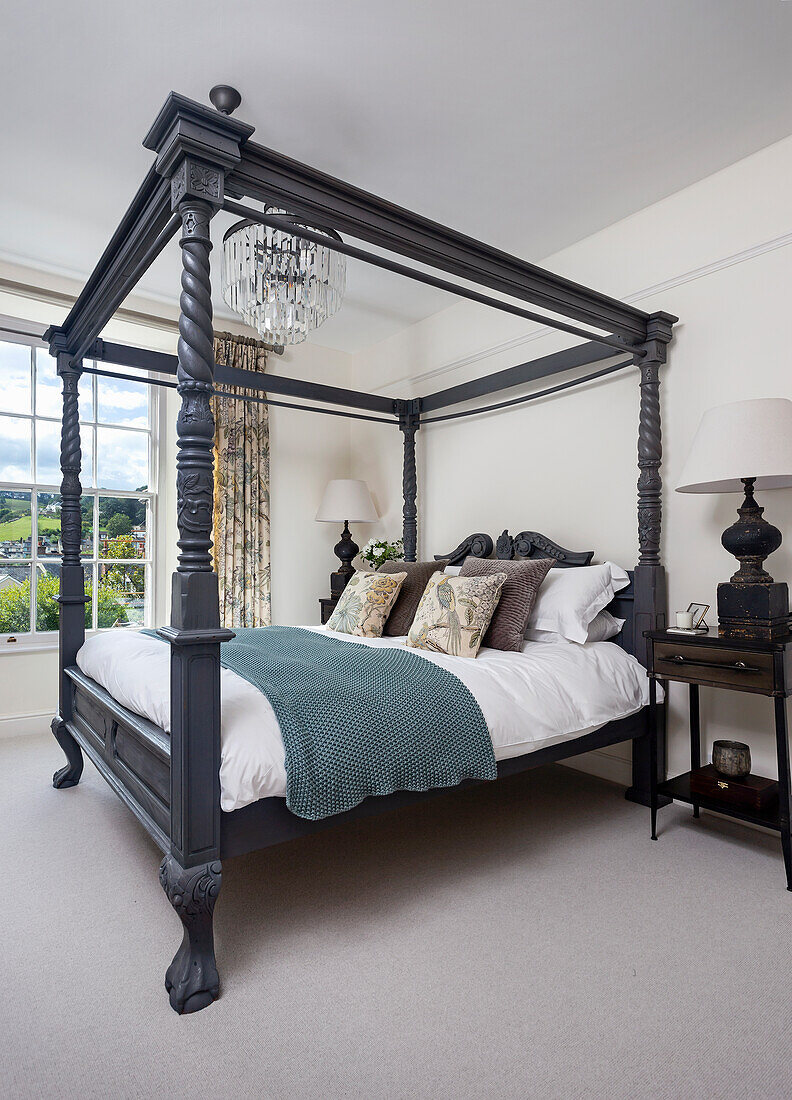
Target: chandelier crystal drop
(279, 283)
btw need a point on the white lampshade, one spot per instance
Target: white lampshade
(347, 500)
(741, 440)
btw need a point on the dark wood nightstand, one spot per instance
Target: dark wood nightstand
(758, 667)
(327, 606)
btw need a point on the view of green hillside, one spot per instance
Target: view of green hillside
(20, 528)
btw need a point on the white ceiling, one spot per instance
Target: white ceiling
(527, 124)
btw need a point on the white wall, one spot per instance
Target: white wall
(716, 254)
(306, 450)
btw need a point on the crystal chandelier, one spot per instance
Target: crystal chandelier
(281, 284)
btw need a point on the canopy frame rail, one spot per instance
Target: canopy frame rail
(123, 355)
(286, 224)
(254, 399)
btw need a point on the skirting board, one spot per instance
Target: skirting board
(602, 764)
(25, 725)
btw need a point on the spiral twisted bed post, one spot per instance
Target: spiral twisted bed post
(195, 373)
(409, 422)
(191, 872)
(648, 762)
(650, 454)
(71, 596)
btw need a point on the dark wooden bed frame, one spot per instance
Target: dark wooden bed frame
(204, 161)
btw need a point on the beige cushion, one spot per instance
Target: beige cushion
(523, 578)
(454, 613)
(365, 604)
(403, 611)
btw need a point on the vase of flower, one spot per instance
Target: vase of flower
(378, 551)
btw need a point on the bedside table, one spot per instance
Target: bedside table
(705, 660)
(327, 606)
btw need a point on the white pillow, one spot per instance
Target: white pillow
(570, 599)
(603, 626)
(452, 570)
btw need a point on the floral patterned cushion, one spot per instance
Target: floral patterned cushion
(454, 613)
(365, 604)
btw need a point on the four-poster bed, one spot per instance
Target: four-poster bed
(205, 161)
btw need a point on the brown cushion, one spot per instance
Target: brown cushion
(518, 595)
(403, 610)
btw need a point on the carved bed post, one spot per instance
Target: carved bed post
(196, 147)
(650, 582)
(72, 598)
(409, 423)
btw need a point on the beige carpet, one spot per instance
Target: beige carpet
(523, 939)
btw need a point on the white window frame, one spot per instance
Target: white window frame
(48, 639)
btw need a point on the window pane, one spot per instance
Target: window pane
(122, 459)
(87, 517)
(122, 402)
(14, 449)
(122, 527)
(49, 401)
(48, 443)
(15, 525)
(47, 588)
(14, 599)
(15, 373)
(121, 595)
(49, 525)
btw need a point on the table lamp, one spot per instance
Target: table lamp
(345, 500)
(738, 448)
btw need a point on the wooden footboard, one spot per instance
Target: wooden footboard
(130, 752)
(133, 755)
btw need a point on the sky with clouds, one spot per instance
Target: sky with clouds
(122, 456)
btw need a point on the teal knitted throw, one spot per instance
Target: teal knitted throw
(358, 720)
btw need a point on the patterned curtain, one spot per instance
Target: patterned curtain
(241, 492)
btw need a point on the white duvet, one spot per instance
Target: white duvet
(544, 695)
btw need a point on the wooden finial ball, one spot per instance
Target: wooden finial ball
(224, 98)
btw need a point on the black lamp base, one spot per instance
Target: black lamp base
(346, 550)
(753, 611)
(752, 604)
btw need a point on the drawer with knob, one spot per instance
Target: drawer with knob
(740, 669)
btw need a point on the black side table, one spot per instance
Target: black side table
(758, 667)
(327, 607)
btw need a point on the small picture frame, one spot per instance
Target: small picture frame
(699, 613)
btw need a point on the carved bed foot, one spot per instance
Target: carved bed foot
(191, 979)
(70, 775)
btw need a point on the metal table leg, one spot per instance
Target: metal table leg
(653, 753)
(782, 746)
(695, 736)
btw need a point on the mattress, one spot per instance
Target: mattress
(546, 694)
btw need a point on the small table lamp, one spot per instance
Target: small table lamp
(737, 448)
(346, 500)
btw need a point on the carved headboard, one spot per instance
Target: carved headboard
(532, 544)
(528, 544)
